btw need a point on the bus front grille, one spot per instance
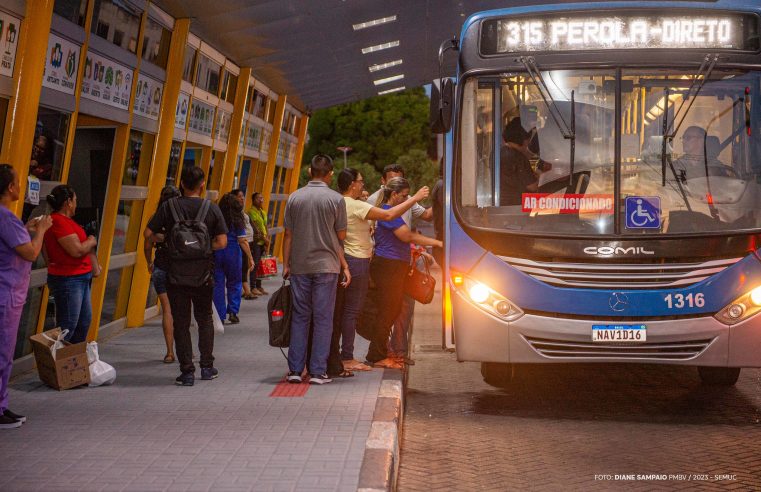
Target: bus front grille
(650, 350)
(620, 276)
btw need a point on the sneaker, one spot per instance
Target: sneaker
(293, 377)
(185, 379)
(233, 318)
(8, 423)
(14, 416)
(209, 373)
(319, 379)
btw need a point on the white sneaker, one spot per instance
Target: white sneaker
(319, 379)
(293, 377)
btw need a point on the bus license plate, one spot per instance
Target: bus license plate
(619, 333)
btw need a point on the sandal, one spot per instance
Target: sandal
(388, 364)
(168, 359)
(343, 374)
(250, 296)
(355, 365)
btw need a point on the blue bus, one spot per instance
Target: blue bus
(603, 186)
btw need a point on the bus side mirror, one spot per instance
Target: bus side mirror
(442, 99)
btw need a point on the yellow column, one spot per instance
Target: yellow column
(291, 187)
(236, 126)
(27, 84)
(114, 188)
(157, 177)
(277, 126)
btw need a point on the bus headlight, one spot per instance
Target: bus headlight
(486, 298)
(741, 308)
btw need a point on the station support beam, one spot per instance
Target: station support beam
(236, 127)
(277, 128)
(28, 72)
(157, 177)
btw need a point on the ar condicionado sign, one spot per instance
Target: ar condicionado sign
(566, 204)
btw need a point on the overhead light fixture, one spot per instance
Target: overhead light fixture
(376, 22)
(382, 66)
(378, 47)
(389, 91)
(388, 79)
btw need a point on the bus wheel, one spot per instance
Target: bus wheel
(719, 376)
(497, 373)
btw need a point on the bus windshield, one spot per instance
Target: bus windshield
(517, 171)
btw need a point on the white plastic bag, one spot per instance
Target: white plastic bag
(58, 342)
(219, 327)
(100, 372)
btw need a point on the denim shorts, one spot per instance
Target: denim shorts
(159, 280)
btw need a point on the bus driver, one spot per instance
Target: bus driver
(516, 176)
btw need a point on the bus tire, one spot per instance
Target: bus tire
(497, 374)
(719, 376)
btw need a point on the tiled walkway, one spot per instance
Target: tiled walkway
(144, 433)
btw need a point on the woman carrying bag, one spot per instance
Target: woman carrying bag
(389, 268)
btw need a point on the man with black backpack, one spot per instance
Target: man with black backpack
(194, 228)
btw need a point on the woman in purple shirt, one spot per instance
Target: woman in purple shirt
(17, 252)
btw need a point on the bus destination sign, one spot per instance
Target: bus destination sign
(590, 32)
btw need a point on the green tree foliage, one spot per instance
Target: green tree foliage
(379, 130)
(368, 172)
(419, 170)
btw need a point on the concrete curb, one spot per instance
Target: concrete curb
(380, 465)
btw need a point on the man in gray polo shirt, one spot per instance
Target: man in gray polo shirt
(315, 225)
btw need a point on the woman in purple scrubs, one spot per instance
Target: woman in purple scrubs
(17, 252)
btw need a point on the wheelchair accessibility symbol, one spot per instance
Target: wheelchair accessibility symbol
(643, 212)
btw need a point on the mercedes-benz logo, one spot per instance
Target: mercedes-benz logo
(618, 301)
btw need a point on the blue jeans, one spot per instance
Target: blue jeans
(314, 297)
(354, 299)
(73, 310)
(227, 273)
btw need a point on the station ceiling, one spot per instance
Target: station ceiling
(310, 50)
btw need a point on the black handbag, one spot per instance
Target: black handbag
(420, 285)
(279, 316)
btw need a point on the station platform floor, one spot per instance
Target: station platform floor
(145, 434)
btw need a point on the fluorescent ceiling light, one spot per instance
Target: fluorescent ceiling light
(388, 79)
(389, 91)
(381, 66)
(378, 47)
(376, 22)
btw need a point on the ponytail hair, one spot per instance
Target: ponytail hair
(59, 196)
(393, 185)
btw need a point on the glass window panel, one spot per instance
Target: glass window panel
(71, 10)
(156, 43)
(139, 153)
(245, 172)
(28, 324)
(116, 297)
(49, 144)
(192, 157)
(189, 64)
(174, 163)
(3, 112)
(116, 22)
(127, 229)
(250, 99)
(208, 74)
(232, 88)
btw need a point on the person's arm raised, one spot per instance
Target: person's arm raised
(377, 213)
(406, 235)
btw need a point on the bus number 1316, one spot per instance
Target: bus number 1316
(679, 301)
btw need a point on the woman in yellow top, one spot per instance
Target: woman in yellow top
(261, 242)
(358, 249)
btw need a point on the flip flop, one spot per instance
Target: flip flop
(343, 374)
(168, 359)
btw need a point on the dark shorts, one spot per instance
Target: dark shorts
(159, 280)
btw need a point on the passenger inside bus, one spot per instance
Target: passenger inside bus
(517, 176)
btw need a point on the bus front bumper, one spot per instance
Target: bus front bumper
(700, 341)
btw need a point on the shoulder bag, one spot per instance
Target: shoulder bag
(420, 285)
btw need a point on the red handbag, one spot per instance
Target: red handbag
(420, 285)
(267, 267)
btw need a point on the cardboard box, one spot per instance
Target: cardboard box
(69, 369)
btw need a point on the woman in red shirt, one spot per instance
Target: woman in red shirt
(70, 266)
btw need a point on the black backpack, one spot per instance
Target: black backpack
(279, 316)
(188, 242)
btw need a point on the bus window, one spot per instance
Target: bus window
(711, 164)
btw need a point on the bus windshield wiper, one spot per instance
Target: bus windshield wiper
(666, 156)
(568, 132)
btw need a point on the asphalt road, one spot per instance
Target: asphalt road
(574, 427)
